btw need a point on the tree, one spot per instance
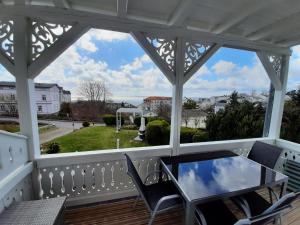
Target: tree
(163, 110)
(237, 120)
(94, 90)
(186, 116)
(189, 103)
(65, 109)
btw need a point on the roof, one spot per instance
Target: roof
(37, 85)
(153, 98)
(252, 24)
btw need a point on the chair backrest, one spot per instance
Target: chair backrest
(263, 218)
(265, 154)
(132, 172)
(286, 200)
(272, 212)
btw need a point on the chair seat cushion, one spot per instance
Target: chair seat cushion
(257, 203)
(155, 192)
(216, 213)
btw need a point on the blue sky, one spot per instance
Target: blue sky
(130, 75)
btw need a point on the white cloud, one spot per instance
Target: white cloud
(87, 41)
(223, 67)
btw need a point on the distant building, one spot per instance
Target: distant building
(152, 103)
(48, 98)
(193, 118)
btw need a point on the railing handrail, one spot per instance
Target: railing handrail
(13, 134)
(101, 155)
(288, 145)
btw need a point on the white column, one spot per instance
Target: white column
(278, 105)
(25, 88)
(177, 94)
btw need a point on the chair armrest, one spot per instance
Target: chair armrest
(151, 173)
(242, 202)
(165, 198)
(201, 217)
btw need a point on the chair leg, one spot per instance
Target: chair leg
(152, 218)
(136, 201)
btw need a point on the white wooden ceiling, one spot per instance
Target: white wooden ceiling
(273, 23)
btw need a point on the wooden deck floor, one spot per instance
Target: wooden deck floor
(122, 213)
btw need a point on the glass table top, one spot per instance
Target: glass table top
(208, 178)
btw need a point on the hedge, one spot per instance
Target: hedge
(200, 136)
(110, 120)
(85, 124)
(186, 134)
(158, 132)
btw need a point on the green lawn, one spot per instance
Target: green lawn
(13, 128)
(97, 138)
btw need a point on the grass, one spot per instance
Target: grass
(96, 138)
(13, 128)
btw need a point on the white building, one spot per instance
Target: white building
(152, 103)
(48, 98)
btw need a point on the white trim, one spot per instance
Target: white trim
(110, 21)
(62, 4)
(144, 43)
(181, 12)
(245, 10)
(57, 49)
(207, 55)
(269, 69)
(11, 180)
(2, 132)
(122, 6)
(7, 63)
(279, 95)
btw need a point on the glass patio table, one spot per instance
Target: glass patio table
(201, 179)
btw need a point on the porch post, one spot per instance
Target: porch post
(25, 87)
(177, 94)
(278, 105)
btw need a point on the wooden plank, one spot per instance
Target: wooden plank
(121, 212)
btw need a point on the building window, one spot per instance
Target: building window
(40, 108)
(44, 98)
(12, 97)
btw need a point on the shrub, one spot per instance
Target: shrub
(200, 136)
(137, 121)
(186, 134)
(85, 124)
(158, 132)
(53, 148)
(110, 120)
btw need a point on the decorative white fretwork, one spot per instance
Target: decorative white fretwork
(7, 38)
(276, 62)
(165, 49)
(44, 35)
(193, 52)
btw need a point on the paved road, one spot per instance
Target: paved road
(62, 128)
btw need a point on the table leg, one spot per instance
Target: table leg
(189, 213)
(283, 189)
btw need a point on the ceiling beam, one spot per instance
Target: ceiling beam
(114, 23)
(240, 14)
(181, 13)
(122, 6)
(279, 27)
(64, 4)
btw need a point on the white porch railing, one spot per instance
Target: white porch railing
(86, 177)
(101, 175)
(15, 171)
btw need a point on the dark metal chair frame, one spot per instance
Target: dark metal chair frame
(156, 210)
